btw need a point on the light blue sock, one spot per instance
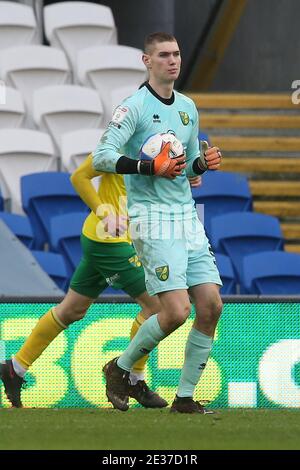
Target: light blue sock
(146, 339)
(197, 350)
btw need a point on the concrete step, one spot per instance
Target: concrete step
(256, 144)
(275, 188)
(242, 121)
(261, 165)
(280, 209)
(243, 100)
(291, 231)
(292, 248)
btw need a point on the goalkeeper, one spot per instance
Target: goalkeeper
(179, 265)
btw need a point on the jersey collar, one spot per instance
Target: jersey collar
(167, 101)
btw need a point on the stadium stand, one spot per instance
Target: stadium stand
(204, 136)
(83, 34)
(113, 292)
(12, 111)
(20, 226)
(222, 192)
(53, 264)
(73, 26)
(75, 146)
(227, 274)
(238, 234)
(105, 67)
(65, 231)
(1, 201)
(119, 94)
(272, 273)
(17, 25)
(29, 68)
(22, 151)
(45, 195)
(260, 138)
(24, 276)
(66, 108)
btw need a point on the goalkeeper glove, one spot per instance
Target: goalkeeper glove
(162, 164)
(210, 157)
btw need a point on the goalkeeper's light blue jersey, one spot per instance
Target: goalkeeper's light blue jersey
(138, 117)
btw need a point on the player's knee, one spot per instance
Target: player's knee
(79, 313)
(154, 305)
(150, 306)
(180, 314)
(74, 314)
(213, 308)
(217, 307)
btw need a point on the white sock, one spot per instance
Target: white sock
(135, 377)
(19, 370)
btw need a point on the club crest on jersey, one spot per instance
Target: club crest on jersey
(162, 273)
(134, 260)
(185, 119)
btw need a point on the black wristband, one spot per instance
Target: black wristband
(126, 166)
(129, 166)
(196, 167)
(145, 167)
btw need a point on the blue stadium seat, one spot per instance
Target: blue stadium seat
(20, 226)
(272, 273)
(53, 264)
(222, 192)
(227, 274)
(45, 195)
(65, 235)
(1, 201)
(239, 234)
(203, 136)
(111, 291)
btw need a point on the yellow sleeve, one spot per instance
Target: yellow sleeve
(81, 180)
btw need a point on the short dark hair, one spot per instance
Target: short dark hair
(157, 37)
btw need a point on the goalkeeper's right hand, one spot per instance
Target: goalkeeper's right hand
(163, 165)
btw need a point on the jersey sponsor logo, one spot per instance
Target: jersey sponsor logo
(114, 124)
(118, 116)
(185, 119)
(134, 260)
(156, 118)
(162, 272)
(111, 280)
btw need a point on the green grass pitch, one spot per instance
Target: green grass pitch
(148, 429)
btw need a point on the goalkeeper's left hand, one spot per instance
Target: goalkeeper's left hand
(210, 157)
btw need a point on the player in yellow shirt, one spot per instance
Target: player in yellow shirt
(108, 258)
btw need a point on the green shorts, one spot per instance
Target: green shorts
(103, 264)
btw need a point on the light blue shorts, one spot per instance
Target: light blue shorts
(175, 255)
